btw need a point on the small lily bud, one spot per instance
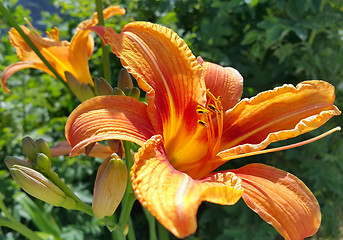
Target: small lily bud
(118, 91)
(103, 87)
(43, 147)
(42, 163)
(124, 79)
(29, 148)
(37, 185)
(127, 91)
(135, 92)
(86, 92)
(110, 185)
(10, 161)
(81, 91)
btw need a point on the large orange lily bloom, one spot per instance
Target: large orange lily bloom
(193, 123)
(62, 55)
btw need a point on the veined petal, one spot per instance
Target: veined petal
(161, 61)
(105, 118)
(226, 82)
(14, 67)
(282, 113)
(281, 200)
(172, 196)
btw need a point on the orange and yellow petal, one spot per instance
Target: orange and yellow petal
(105, 118)
(225, 82)
(161, 61)
(275, 115)
(172, 196)
(281, 200)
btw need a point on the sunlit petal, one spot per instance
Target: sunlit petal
(224, 82)
(161, 61)
(105, 118)
(282, 113)
(172, 196)
(281, 200)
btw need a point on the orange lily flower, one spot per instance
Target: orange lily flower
(62, 55)
(193, 123)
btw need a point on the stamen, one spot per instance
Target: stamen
(202, 123)
(284, 147)
(31, 26)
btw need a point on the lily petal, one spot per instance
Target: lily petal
(161, 61)
(271, 116)
(225, 82)
(14, 67)
(105, 118)
(172, 196)
(281, 200)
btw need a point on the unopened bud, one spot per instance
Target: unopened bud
(103, 87)
(118, 91)
(37, 185)
(81, 91)
(135, 92)
(43, 147)
(124, 79)
(110, 185)
(127, 91)
(42, 163)
(29, 148)
(10, 161)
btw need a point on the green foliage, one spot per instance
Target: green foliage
(269, 42)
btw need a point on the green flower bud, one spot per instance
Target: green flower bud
(29, 148)
(103, 87)
(110, 185)
(10, 161)
(37, 185)
(42, 163)
(124, 79)
(43, 147)
(135, 92)
(127, 91)
(118, 91)
(81, 91)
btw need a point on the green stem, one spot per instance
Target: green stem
(131, 234)
(20, 228)
(14, 24)
(14, 224)
(163, 233)
(105, 53)
(152, 224)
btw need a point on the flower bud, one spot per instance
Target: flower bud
(124, 79)
(10, 161)
(42, 163)
(43, 147)
(81, 91)
(118, 91)
(103, 87)
(135, 92)
(37, 185)
(29, 148)
(110, 185)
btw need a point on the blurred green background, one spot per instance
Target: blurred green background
(270, 42)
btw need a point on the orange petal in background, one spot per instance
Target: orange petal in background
(105, 118)
(281, 200)
(225, 82)
(275, 115)
(172, 196)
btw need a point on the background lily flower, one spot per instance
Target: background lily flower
(62, 55)
(193, 123)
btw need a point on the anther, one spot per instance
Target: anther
(213, 108)
(200, 111)
(202, 123)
